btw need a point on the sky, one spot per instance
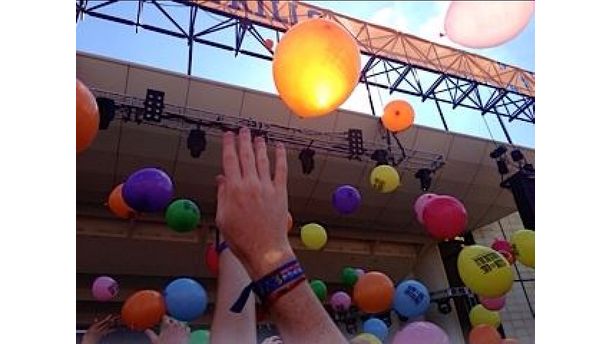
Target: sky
(421, 18)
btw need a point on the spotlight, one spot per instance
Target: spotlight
(502, 167)
(154, 105)
(381, 157)
(498, 152)
(106, 108)
(424, 175)
(307, 158)
(196, 142)
(517, 155)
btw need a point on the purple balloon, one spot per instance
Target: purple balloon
(420, 203)
(346, 199)
(148, 190)
(421, 332)
(359, 272)
(104, 288)
(340, 301)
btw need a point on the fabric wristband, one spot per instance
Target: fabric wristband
(219, 246)
(273, 285)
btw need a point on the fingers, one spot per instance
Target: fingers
(247, 158)
(280, 174)
(152, 336)
(261, 156)
(231, 166)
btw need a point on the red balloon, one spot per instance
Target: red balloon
(501, 245)
(508, 255)
(269, 44)
(211, 257)
(484, 334)
(444, 217)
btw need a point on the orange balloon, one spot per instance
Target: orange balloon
(316, 66)
(289, 222)
(143, 309)
(398, 116)
(510, 341)
(87, 117)
(117, 205)
(373, 292)
(484, 334)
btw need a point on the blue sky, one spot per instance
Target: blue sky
(421, 18)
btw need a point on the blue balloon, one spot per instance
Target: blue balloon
(376, 327)
(411, 299)
(186, 299)
(346, 199)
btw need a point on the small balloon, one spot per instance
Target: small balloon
(320, 289)
(419, 205)
(508, 255)
(376, 327)
(523, 243)
(493, 304)
(479, 315)
(199, 337)
(501, 245)
(485, 271)
(373, 292)
(148, 190)
(211, 259)
(183, 215)
(421, 332)
(445, 217)
(269, 43)
(104, 288)
(143, 309)
(117, 205)
(398, 116)
(349, 276)
(313, 236)
(365, 338)
(346, 199)
(359, 272)
(87, 117)
(186, 299)
(384, 178)
(340, 301)
(484, 334)
(411, 299)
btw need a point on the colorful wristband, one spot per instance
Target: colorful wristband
(272, 286)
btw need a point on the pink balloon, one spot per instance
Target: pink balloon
(421, 332)
(104, 288)
(340, 301)
(501, 245)
(493, 304)
(420, 203)
(485, 24)
(445, 217)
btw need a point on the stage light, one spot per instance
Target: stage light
(517, 155)
(502, 167)
(498, 152)
(424, 175)
(154, 105)
(106, 108)
(196, 142)
(381, 157)
(307, 158)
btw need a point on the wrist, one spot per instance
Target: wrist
(268, 261)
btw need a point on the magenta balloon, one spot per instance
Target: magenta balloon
(421, 332)
(493, 304)
(104, 288)
(485, 24)
(501, 245)
(420, 203)
(340, 301)
(445, 217)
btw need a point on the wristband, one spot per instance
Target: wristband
(219, 246)
(272, 286)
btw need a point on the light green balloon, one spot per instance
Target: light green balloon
(199, 337)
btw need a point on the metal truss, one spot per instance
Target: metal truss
(468, 81)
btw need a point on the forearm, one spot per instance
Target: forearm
(229, 327)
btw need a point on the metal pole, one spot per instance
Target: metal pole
(194, 11)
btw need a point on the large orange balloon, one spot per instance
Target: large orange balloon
(117, 205)
(485, 24)
(316, 66)
(143, 309)
(484, 334)
(398, 116)
(87, 117)
(373, 292)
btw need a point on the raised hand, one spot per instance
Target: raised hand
(100, 328)
(171, 332)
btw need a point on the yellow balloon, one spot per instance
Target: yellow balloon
(313, 236)
(316, 66)
(485, 271)
(366, 338)
(384, 178)
(482, 316)
(523, 243)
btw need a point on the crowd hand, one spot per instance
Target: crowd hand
(100, 328)
(252, 205)
(171, 332)
(272, 340)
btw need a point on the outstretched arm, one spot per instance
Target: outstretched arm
(252, 214)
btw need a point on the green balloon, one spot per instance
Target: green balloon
(199, 337)
(349, 276)
(319, 288)
(183, 215)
